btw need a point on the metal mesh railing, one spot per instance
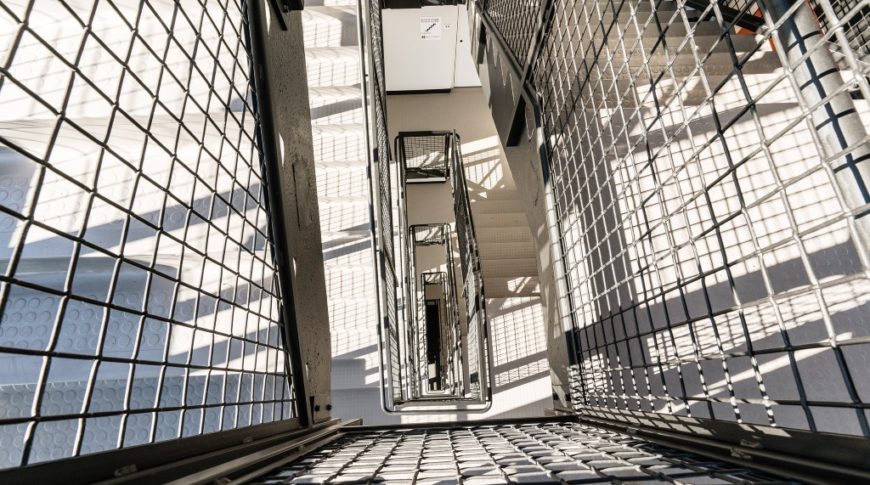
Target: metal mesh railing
(467, 337)
(517, 22)
(438, 337)
(424, 156)
(384, 201)
(710, 186)
(853, 17)
(478, 342)
(139, 299)
(428, 235)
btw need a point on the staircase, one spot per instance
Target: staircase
(506, 248)
(337, 118)
(510, 280)
(507, 251)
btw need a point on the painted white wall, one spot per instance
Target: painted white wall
(427, 48)
(465, 73)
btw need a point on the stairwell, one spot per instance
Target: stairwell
(513, 303)
(507, 251)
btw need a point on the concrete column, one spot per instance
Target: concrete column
(283, 98)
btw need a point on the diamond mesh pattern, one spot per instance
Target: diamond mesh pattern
(517, 22)
(138, 293)
(711, 192)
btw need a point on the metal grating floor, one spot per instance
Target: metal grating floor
(506, 454)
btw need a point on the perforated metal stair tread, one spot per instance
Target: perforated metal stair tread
(557, 452)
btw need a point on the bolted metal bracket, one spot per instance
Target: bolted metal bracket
(284, 7)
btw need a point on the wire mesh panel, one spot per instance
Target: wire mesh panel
(517, 22)
(710, 183)
(138, 293)
(853, 17)
(386, 224)
(428, 234)
(424, 156)
(557, 453)
(472, 278)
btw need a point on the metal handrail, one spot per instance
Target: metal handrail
(471, 265)
(455, 353)
(477, 396)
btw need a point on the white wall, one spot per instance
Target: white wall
(427, 49)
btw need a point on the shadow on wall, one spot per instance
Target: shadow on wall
(713, 278)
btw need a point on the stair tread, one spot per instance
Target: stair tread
(344, 128)
(349, 8)
(495, 234)
(353, 91)
(329, 3)
(509, 267)
(329, 26)
(343, 199)
(509, 286)
(502, 251)
(498, 219)
(338, 164)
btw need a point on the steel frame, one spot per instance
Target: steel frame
(186, 457)
(841, 455)
(518, 444)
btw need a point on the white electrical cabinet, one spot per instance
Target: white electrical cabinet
(427, 48)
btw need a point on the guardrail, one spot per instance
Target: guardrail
(146, 308)
(669, 274)
(469, 355)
